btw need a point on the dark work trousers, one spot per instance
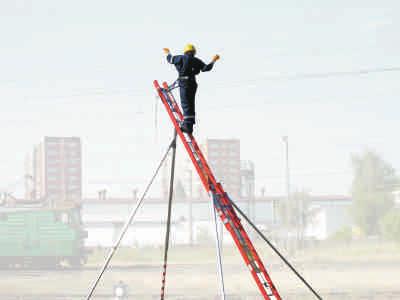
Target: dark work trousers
(188, 90)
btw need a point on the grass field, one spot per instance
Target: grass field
(337, 271)
(360, 252)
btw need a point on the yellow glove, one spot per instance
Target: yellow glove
(215, 58)
(166, 50)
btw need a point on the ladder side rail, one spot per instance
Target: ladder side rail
(232, 215)
(181, 135)
(232, 229)
(204, 162)
(193, 140)
(224, 208)
(239, 211)
(260, 264)
(173, 101)
(188, 141)
(215, 208)
(232, 212)
(226, 203)
(202, 169)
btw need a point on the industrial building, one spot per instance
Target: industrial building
(191, 219)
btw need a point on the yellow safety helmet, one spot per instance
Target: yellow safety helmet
(189, 48)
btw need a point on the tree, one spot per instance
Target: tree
(390, 226)
(372, 187)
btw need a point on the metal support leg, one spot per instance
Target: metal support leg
(126, 226)
(171, 193)
(218, 251)
(275, 250)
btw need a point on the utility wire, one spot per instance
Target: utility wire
(276, 250)
(303, 76)
(100, 92)
(128, 222)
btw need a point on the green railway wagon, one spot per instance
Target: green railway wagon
(41, 237)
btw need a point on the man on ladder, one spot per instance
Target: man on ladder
(188, 66)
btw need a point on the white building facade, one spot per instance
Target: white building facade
(191, 220)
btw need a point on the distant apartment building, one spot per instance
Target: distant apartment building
(57, 170)
(223, 156)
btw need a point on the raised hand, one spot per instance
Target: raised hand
(215, 58)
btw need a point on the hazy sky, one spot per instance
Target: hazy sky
(85, 68)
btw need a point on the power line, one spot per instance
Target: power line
(101, 92)
(321, 75)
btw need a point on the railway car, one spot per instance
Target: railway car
(41, 237)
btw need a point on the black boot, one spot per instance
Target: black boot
(187, 128)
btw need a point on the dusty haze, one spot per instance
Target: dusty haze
(326, 75)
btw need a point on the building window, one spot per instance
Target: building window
(52, 179)
(73, 188)
(53, 189)
(72, 145)
(73, 170)
(52, 144)
(74, 160)
(52, 170)
(74, 154)
(73, 177)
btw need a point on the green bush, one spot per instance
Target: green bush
(390, 226)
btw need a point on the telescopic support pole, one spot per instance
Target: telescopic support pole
(127, 223)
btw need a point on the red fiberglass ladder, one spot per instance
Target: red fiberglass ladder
(222, 202)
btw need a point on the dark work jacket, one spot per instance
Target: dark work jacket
(188, 65)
